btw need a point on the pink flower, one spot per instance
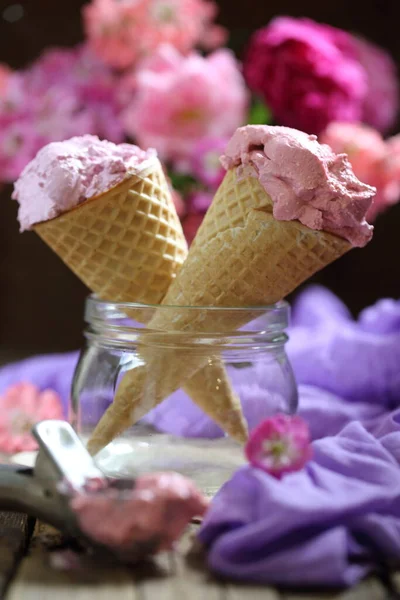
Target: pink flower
(381, 103)
(279, 445)
(5, 73)
(374, 161)
(387, 179)
(363, 145)
(21, 406)
(180, 100)
(205, 163)
(64, 93)
(114, 30)
(123, 32)
(198, 203)
(307, 73)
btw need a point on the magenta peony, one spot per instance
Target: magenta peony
(279, 445)
(181, 99)
(374, 161)
(381, 103)
(64, 93)
(307, 73)
(123, 32)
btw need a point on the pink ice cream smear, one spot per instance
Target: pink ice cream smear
(152, 515)
(305, 180)
(65, 174)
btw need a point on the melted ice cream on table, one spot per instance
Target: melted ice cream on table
(152, 514)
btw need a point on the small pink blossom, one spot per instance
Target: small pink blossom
(205, 163)
(123, 32)
(21, 406)
(181, 99)
(374, 161)
(279, 445)
(381, 103)
(5, 73)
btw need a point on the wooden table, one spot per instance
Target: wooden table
(26, 574)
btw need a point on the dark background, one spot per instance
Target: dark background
(41, 301)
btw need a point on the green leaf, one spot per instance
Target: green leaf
(259, 114)
(181, 181)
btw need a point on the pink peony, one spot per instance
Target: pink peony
(279, 445)
(5, 73)
(307, 73)
(374, 161)
(382, 100)
(363, 145)
(21, 406)
(180, 100)
(64, 93)
(123, 32)
(205, 163)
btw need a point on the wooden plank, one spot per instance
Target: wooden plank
(14, 533)
(370, 589)
(36, 580)
(250, 592)
(181, 575)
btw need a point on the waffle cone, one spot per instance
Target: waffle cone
(127, 245)
(242, 256)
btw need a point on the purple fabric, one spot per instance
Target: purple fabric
(332, 522)
(310, 528)
(326, 524)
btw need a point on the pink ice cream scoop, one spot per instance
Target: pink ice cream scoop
(306, 180)
(65, 174)
(153, 514)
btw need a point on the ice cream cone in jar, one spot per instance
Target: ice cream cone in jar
(107, 211)
(287, 207)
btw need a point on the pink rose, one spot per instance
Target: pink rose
(181, 99)
(374, 161)
(123, 32)
(279, 445)
(21, 406)
(381, 103)
(307, 73)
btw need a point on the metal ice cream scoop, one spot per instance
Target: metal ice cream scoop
(63, 464)
(155, 508)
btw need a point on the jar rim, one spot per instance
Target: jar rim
(126, 320)
(95, 302)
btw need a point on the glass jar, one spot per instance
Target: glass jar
(177, 434)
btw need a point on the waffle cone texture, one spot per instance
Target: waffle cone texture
(127, 245)
(241, 257)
